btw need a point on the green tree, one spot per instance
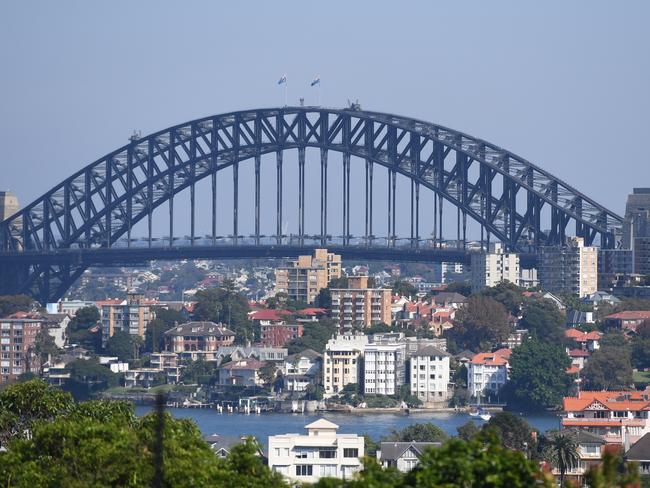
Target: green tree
(468, 431)
(613, 472)
(461, 287)
(513, 431)
(404, 288)
(562, 452)
(123, 345)
(154, 336)
(268, 372)
(424, 432)
(84, 329)
(481, 324)
(44, 346)
(538, 377)
(641, 346)
(544, 320)
(314, 392)
(227, 306)
(15, 303)
(88, 377)
(480, 463)
(507, 294)
(200, 372)
(608, 368)
(315, 336)
(23, 404)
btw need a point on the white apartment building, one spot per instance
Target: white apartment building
(320, 453)
(383, 368)
(569, 269)
(491, 268)
(341, 361)
(487, 372)
(429, 374)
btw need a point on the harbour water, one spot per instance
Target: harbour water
(376, 425)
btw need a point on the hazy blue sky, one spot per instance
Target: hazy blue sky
(564, 84)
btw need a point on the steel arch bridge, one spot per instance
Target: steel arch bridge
(88, 218)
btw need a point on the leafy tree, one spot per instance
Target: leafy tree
(23, 404)
(123, 345)
(480, 324)
(80, 329)
(15, 303)
(199, 372)
(154, 336)
(404, 288)
(513, 431)
(314, 392)
(641, 346)
(507, 294)
(88, 377)
(44, 346)
(538, 377)
(608, 368)
(268, 372)
(544, 320)
(613, 472)
(243, 467)
(227, 306)
(468, 431)
(461, 287)
(315, 336)
(562, 452)
(425, 432)
(480, 463)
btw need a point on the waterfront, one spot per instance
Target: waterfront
(376, 425)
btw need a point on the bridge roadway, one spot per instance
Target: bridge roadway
(130, 256)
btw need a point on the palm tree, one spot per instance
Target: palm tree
(562, 452)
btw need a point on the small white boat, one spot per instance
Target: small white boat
(473, 413)
(484, 414)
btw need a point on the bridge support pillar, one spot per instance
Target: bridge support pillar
(301, 195)
(278, 195)
(346, 198)
(258, 159)
(323, 197)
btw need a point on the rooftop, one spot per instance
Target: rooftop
(200, 329)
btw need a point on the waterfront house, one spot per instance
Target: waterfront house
(242, 372)
(194, 340)
(222, 445)
(487, 372)
(429, 376)
(321, 453)
(590, 448)
(618, 417)
(403, 456)
(301, 369)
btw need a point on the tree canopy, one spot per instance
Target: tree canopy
(507, 294)
(543, 320)
(513, 431)
(608, 368)
(123, 345)
(315, 336)
(481, 324)
(227, 306)
(538, 377)
(15, 303)
(425, 432)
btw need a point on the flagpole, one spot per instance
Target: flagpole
(285, 92)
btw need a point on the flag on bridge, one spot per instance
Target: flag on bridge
(282, 80)
(315, 81)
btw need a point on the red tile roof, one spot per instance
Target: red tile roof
(504, 352)
(489, 359)
(612, 400)
(269, 314)
(312, 311)
(630, 315)
(578, 353)
(573, 369)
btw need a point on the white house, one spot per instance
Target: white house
(301, 369)
(341, 365)
(429, 374)
(321, 453)
(487, 372)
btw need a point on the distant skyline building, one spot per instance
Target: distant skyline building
(491, 268)
(569, 269)
(637, 217)
(9, 205)
(359, 305)
(303, 278)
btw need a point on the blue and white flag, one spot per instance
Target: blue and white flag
(282, 80)
(315, 81)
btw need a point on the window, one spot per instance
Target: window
(328, 470)
(350, 452)
(327, 453)
(304, 470)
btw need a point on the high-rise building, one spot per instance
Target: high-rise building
(131, 315)
(304, 278)
(613, 263)
(8, 205)
(642, 255)
(569, 269)
(341, 362)
(359, 305)
(637, 217)
(491, 268)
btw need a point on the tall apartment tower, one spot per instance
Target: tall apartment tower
(360, 305)
(131, 315)
(303, 278)
(569, 269)
(8, 205)
(491, 268)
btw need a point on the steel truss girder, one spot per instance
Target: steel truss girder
(100, 203)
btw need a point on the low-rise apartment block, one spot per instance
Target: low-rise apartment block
(383, 368)
(17, 335)
(491, 268)
(487, 372)
(198, 339)
(321, 453)
(131, 316)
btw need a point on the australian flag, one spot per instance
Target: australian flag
(282, 80)
(315, 81)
